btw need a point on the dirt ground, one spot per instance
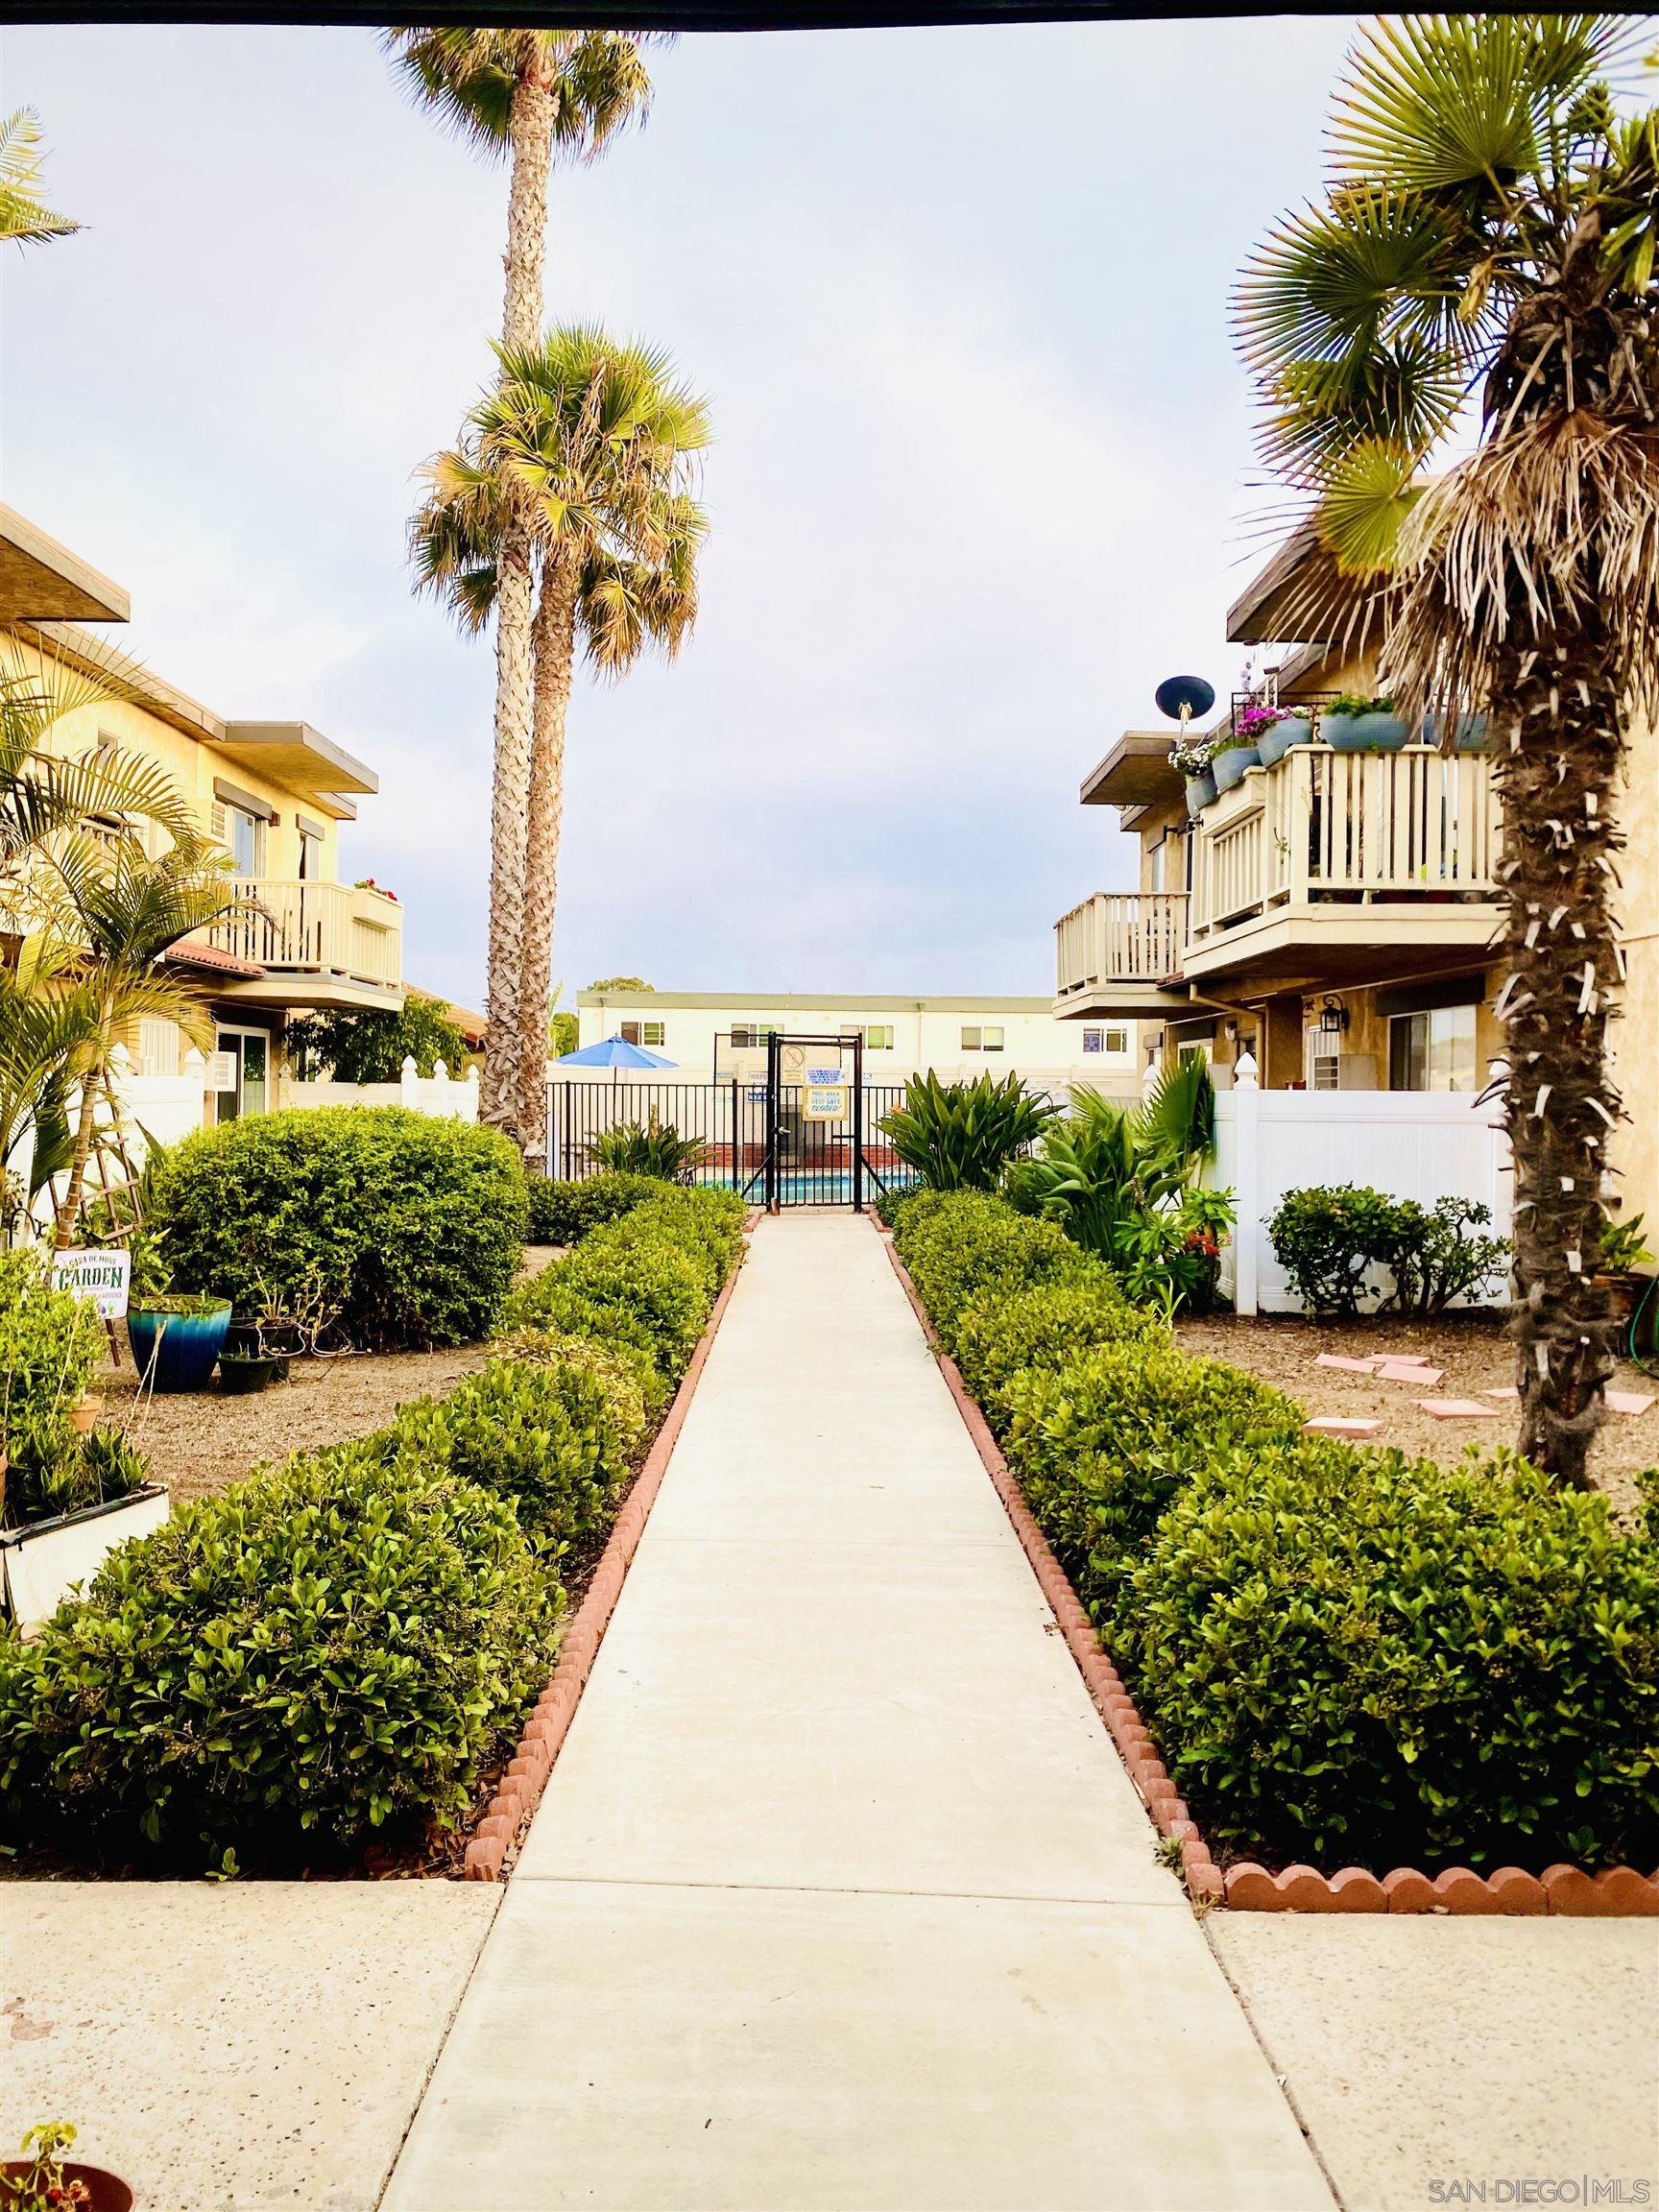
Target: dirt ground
(1476, 1358)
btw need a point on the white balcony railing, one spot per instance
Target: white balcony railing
(1121, 938)
(1373, 828)
(316, 929)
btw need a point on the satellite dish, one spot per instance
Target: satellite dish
(1181, 697)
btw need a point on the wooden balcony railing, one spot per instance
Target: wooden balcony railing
(1367, 828)
(1121, 938)
(316, 929)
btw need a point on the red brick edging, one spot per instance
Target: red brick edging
(1616, 1893)
(548, 1725)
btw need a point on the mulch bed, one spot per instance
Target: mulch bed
(1471, 1348)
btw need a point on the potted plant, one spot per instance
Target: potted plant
(68, 1501)
(40, 2180)
(1192, 757)
(1358, 722)
(1471, 734)
(1236, 750)
(1290, 726)
(176, 1337)
(286, 1324)
(1622, 1250)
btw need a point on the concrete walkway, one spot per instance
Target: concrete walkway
(839, 1896)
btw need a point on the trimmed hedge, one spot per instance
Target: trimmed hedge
(966, 1242)
(1342, 1654)
(409, 1226)
(320, 1650)
(563, 1213)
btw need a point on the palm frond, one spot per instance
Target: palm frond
(24, 215)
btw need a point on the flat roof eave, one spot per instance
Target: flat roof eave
(41, 580)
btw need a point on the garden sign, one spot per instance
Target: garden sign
(96, 1277)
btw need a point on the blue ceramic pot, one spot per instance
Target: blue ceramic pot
(1228, 768)
(184, 1347)
(1201, 791)
(1362, 733)
(1471, 732)
(1273, 744)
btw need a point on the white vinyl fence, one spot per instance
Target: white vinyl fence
(1421, 1145)
(440, 1094)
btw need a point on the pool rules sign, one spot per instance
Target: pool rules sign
(823, 1093)
(98, 1279)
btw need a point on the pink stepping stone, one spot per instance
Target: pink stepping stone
(1346, 1366)
(1456, 1409)
(1628, 1400)
(1402, 1360)
(1501, 1390)
(1409, 1371)
(1337, 1425)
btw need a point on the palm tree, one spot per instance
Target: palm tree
(124, 911)
(1488, 231)
(598, 439)
(23, 214)
(529, 93)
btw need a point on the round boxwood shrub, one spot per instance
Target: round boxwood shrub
(563, 1213)
(1351, 1657)
(319, 1652)
(409, 1227)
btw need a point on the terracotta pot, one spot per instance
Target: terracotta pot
(107, 2192)
(84, 1414)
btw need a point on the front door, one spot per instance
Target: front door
(249, 1062)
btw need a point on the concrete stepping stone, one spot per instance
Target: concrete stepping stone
(1339, 1425)
(1409, 1371)
(1628, 1400)
(1501, 1390)
(1458, 1409)
(1344, 1365)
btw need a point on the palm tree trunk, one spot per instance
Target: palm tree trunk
(532, 131)
(71, 1206)
(555, 658)
(1560, 842)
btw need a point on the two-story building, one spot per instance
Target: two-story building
(957, 1038)
(1335, 912)
(272, 794)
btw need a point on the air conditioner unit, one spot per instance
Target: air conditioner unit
(1342, 1071)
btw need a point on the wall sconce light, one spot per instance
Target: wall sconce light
(1333, 1017)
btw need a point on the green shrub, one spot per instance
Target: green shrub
(645, 1280)
(1000, 1333)
(627, 1368)
(552, 1306)
(1352, 1657)
(652, 1147)
(410, 1227)
(961, 1136)
(554, 1437)
(890, 1206)
(50, 1346)
(971, 1242)
(563, 1213)
(1328, 1239)
(1102, 1445)
(706, 1219)
(319, 1651)
(1434, 1258)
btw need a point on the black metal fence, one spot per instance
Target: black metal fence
(814, 1161)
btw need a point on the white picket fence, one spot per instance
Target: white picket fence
(443, 1095)
(1421, 1145)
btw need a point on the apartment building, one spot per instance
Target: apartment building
(957, 1038)
(275, 794)
(1335, 913)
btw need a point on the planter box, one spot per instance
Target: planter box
(43, 1561)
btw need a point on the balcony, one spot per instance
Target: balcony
(1333, 865)
(318, 943)
(1118, 952)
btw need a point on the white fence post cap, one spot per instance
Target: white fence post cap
(1246, 1075)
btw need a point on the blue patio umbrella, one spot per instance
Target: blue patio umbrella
(613, 1052)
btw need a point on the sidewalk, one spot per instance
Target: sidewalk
(839, 1896)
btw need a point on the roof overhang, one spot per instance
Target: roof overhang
(1137, 771)
(293, 753)
(41, 580)
(211, 961)
(1124, 1003)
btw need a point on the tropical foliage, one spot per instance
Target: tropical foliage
(961, 1136)
(1487, 239)
(369, 1044)
(649, 1147)
(24, 215)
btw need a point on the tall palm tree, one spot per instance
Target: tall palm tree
(599, 439)
(1488, 235)
(24, 216)
(530, 94)
(124, 911)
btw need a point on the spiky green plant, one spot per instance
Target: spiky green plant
(961, 1136)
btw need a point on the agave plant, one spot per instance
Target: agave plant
(652, 1147)
(961, 1136)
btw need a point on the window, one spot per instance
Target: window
(981, 1040)
(159, 1044)
(1327, 1072)
(247, 1057)
(1114, 1040)
(878, 1037)
(1432, 1052)
(650, 1034)
(245, 836)
(311, 857)
(750, 1035)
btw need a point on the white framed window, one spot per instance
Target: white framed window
(1327, 1071)
(244, 1056)
(1114, 1042)
(750, 1035)
(243, 840)
(649, 1034)
(977, 1038)
(878, 1037)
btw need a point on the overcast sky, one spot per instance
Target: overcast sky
(982, 470)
